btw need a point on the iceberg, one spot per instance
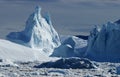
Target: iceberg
(38, 33)
(104, 43)
(71, 47)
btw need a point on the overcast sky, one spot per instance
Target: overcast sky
(68, 16)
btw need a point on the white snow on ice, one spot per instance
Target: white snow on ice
(16, 52)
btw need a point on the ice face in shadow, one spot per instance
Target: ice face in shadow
(104, 43)
(38, 33)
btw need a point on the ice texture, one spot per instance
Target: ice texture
(38, 33)
(104, 43)
(70, 47)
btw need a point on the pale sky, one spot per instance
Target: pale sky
(73, 17)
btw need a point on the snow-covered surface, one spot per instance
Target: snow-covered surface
(16, 52)
(104, 43)
(71, 46)
(38, 33)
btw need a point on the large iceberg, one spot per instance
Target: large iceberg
(104, 43)
(38, 33)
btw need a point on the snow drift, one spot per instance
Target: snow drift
(38, 33)
(104, 43)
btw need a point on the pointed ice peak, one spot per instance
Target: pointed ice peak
(38, 9)
(37, 12)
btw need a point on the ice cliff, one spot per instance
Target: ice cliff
(104, 43)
